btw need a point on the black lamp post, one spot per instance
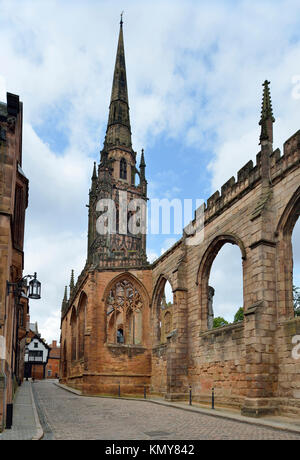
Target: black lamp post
(34, 292)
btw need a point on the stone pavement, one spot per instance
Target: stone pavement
(45, 410)
(26, 424)
(283, 423)
(70, 416)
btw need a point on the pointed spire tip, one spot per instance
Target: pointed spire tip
(267, 119)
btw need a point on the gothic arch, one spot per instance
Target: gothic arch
(284, 256)
(205, 267)
(126, 308)
(81, 316)
(161, 280)
(158, 320)
(73, 314)
(289, 216)
(64, 365)
(131, 278)
(73, 323)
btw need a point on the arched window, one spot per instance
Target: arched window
(64, 360)
(164, 311)
(221, 301)
(123, 169)
(124, 308)
(296, 267)
(81, 324)
(73, 335)
(288, 255)
(225, 299)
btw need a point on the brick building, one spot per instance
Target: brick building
(13, 203)
(116, 328)
(53, 365)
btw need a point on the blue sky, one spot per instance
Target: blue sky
(194, 71)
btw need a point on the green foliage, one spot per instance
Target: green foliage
(296, 297)
(239, 316)
(219, 322)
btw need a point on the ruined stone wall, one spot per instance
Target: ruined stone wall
(249, 364)
(106, 365)
(246, 363)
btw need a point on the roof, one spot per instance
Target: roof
(21, 171)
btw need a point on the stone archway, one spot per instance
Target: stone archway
(162, 311)
(81, 319)
(204, 273)
(73, 323)
(125, 305)
(284, 257)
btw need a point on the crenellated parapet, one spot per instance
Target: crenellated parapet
(280, 165)
(250, 175)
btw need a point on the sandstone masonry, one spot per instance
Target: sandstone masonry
(111, 326)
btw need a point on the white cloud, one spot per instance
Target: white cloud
(152, 255)
(167, 244)
(2, 88)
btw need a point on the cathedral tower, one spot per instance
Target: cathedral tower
(118, 191)
(105, 326)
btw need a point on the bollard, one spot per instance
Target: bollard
(119, 391)
(145, 395)
(190, 395)
(213, 398)
(9, 416)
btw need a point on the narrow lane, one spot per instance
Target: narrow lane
(66, 416)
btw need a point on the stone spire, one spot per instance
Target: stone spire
(65, 300)
(118, 133)
(94, 176)
(116, 173)
(267, 119)
(72, 284)
(142, 166)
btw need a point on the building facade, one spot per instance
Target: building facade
(118, 334)
(36, 356)
(53, 365)
(13, 203)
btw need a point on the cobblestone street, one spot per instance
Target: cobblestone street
(66, 416)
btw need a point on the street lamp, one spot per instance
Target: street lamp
(34, 288)
(34, 291)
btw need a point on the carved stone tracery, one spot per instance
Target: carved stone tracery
(123, 297)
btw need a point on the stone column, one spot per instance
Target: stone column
(259, 329)
(210, 313)
(177, 358)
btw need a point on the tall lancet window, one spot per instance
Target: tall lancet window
(123, 169)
